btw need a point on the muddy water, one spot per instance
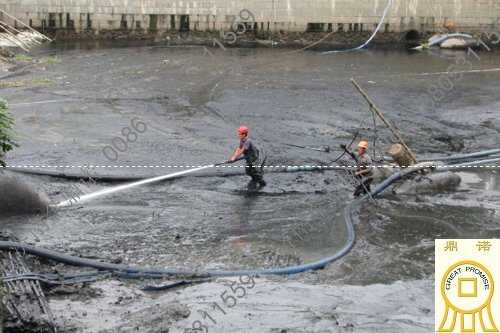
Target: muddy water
(189, 102)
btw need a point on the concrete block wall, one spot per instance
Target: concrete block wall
(287, 15)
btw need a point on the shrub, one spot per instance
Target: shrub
(7, 142)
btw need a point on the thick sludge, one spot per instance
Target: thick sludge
(213, 223)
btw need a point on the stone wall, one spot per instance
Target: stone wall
(95, 16)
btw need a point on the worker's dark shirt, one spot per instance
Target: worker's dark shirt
(250, 151)
(364, 163)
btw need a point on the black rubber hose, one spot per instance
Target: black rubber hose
(50, 282)
(219, 172)
(141, 272)
(227, 172)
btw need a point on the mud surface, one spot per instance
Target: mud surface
(191, 101)
(268, 306)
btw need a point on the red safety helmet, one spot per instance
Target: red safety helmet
(243, 130)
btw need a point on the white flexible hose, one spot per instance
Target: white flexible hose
(386, 10)
(115, 189)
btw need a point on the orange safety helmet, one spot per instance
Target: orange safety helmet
(363, 144)
(243, 130)
(450, 25)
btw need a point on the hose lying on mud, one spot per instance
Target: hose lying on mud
(386, 10)
(97, 194)
(481, 163)
(397, 176)
(228, 172)
(57, 279)
(94, 195)
(141, 272)
(151, 273)
(457, 158)
(219, 172)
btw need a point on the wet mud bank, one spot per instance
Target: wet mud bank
(264, 39)
(268, 306)
(179, 106)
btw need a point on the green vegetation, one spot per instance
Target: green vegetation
(41, 82)
(11, 84)
(7, 142)
(23, 58)
(33, 82)
(50, 60)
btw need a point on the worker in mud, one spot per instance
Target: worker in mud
(248, 151)
(364, 172)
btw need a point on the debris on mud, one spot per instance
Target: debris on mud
(25, 302)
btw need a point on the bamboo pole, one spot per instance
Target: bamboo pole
(376, 110)
(2, 38)
(14, 41)
(25, 25)
(15, 37)
(29, 39)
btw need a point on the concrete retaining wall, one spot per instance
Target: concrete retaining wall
(270, 15)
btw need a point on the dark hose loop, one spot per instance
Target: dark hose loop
(141, 272)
